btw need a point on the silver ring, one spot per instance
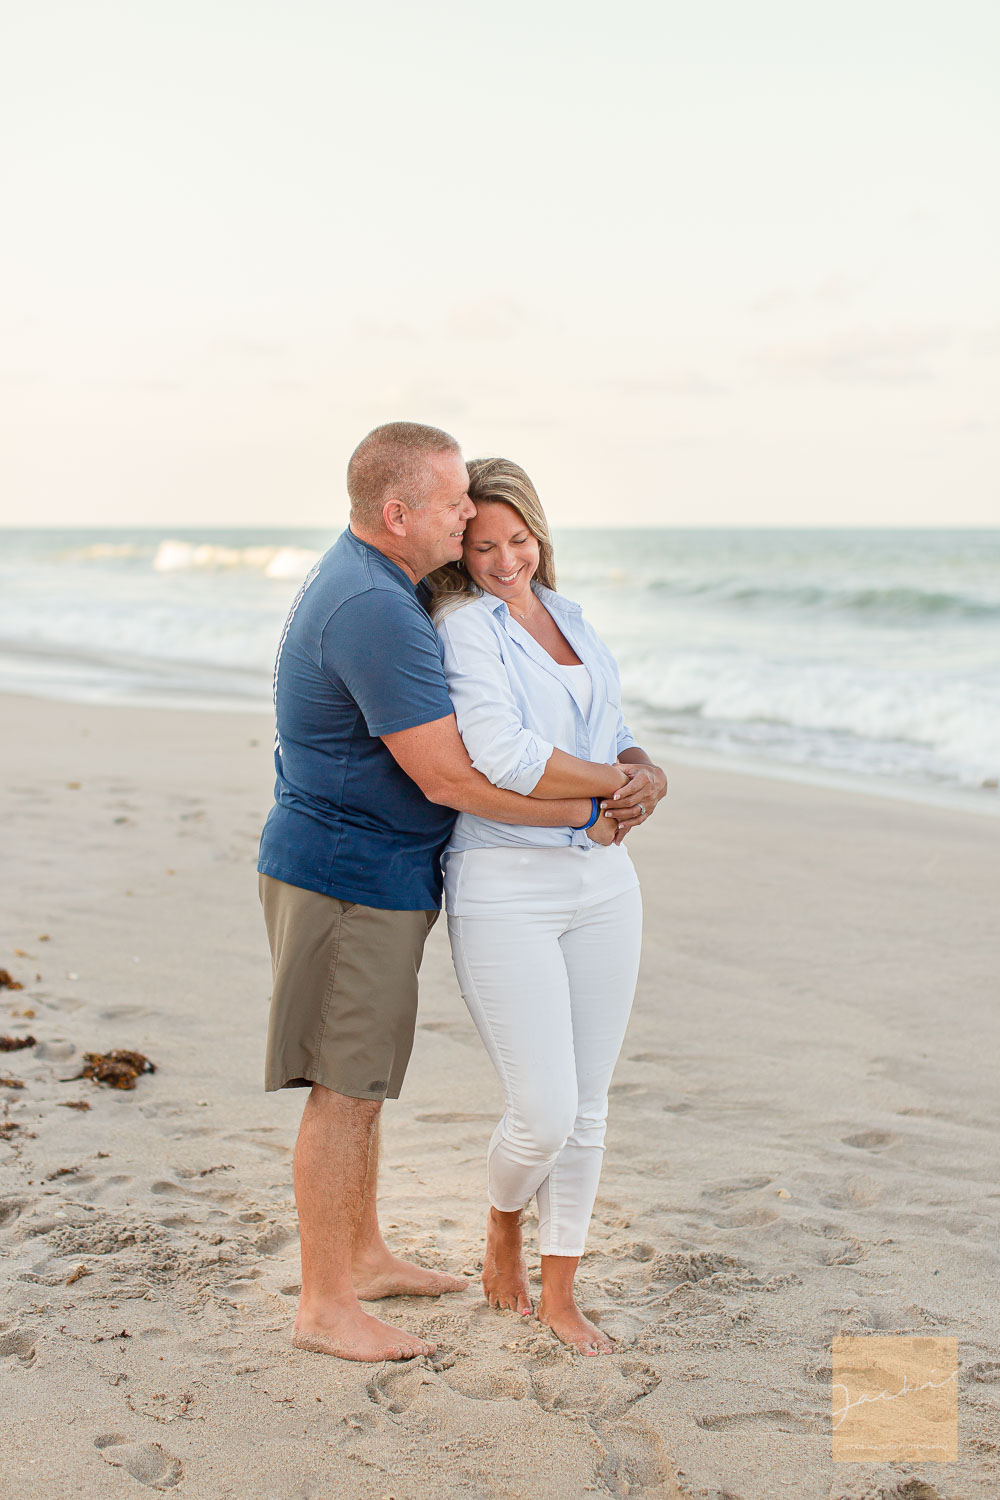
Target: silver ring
(642, 809)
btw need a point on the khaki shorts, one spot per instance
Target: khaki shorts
(344, 1004)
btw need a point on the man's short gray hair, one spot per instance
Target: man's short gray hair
(391, 463)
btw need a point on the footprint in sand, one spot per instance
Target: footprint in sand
(56, 1050)
(485, 1383)
(255, 1138)
(147, 1462)
(854, 1192)
(870, 1140)
(275, 1239)
(455, 1029)
(397, 1389)
(784, 1421)
(10, 1209)
(454, 1117)
(636, 1461)
(741, 1185)
(16, 1344)
(600, 1390)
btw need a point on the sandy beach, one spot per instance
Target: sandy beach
(803, 1143)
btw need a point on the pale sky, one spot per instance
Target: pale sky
(714, 264)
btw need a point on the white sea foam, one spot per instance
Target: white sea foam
(957, 722)
(876, 654)
(174, 556)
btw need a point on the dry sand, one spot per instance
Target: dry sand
(802, 1143)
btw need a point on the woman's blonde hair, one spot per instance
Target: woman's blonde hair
(491, 481)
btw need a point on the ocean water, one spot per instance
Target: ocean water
(863, 653)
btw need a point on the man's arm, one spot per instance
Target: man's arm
(434, 756)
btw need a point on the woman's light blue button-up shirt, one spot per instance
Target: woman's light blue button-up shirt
(514, 704)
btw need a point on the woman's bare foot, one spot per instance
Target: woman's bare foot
(348, 1332)
(505, 1270)
(383, 1274)
(571, 1327)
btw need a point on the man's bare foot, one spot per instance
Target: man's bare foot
(348, 1332)
(386, 1275)
(505, 1270)
(572, 1328)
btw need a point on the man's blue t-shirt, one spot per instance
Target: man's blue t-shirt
(358, 658)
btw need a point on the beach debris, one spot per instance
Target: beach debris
(16, 1043)
(11, 1083)
(782, 1193)
(118, 1069)
(43, 937)
(20, 953)
(27, 1014)
(8, 982)
(7, 1129)
(62, 1172)
(75, 1104)
(77, 1275)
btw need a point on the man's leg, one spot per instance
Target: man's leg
(377, 1272)
(334, 1157)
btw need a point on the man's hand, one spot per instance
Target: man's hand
(637, 800)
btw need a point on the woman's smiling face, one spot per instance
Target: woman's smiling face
(500, 551)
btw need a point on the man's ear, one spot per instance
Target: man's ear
(394, 516)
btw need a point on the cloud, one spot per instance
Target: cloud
(421, 401)
(392, 330)
(669, 383)
(835, 289)
(489, 318)
(250, 348)
(987, 340)
(886, 356)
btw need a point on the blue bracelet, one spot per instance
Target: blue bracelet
(595, 813)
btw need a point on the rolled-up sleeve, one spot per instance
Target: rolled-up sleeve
(625, 738)
(500, 745)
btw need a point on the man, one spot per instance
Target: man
(370, 772)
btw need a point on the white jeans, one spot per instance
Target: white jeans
(546, 947)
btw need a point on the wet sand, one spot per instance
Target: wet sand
(803, 1143)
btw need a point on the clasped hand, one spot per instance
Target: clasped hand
(645, 785)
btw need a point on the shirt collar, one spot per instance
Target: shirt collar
(380, 557)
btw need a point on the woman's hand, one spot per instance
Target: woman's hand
(604, 831)
(637, 800)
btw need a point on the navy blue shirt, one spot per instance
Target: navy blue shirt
(358, 658)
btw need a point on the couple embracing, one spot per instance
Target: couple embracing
(428, 668)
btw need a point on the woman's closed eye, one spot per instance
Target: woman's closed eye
(515, 541)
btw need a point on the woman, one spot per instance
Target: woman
(545, 923)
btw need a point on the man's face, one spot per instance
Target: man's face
(434, 533)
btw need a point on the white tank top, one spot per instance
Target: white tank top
(584, 684)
